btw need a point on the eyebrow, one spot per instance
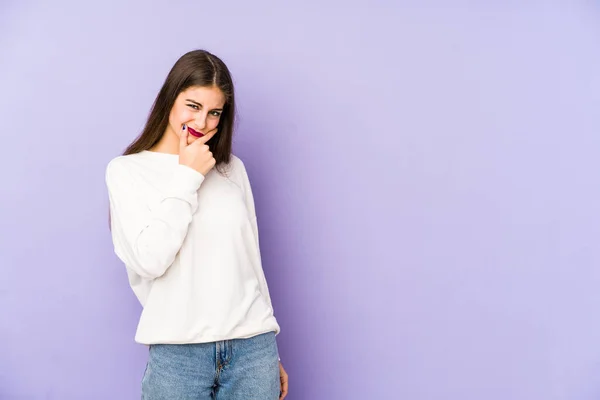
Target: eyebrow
(199, 104)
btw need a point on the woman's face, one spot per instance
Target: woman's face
(200, 109)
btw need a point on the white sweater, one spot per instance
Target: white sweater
(190, 246)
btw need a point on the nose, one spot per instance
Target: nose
(200, 121)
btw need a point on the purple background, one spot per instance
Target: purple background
(426, 178)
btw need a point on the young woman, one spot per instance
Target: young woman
(183, 222)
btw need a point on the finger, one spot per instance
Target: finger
(284, 385)
(202, 140)
(284, 393)
(183, 138)
(190, 138)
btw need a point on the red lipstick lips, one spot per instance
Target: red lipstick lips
(195, 133)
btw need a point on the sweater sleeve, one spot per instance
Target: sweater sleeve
(148, 239)
(250, 206)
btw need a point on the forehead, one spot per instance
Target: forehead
(209, 97)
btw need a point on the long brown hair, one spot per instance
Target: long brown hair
(195, 68)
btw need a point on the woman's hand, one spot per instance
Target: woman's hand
(283, 376)
(197, 154)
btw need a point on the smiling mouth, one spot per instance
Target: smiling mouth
(195, 133)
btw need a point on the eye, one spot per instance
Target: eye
(195, 107)
(216, 113)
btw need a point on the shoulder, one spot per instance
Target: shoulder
(235, 171)
(235, 161)
(117, 165)
(235, 167)
(121, 167)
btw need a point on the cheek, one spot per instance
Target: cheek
(213, 123)
(180, 116)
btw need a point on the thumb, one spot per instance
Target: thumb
(183, 137)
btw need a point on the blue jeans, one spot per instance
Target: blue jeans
(245, 369)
